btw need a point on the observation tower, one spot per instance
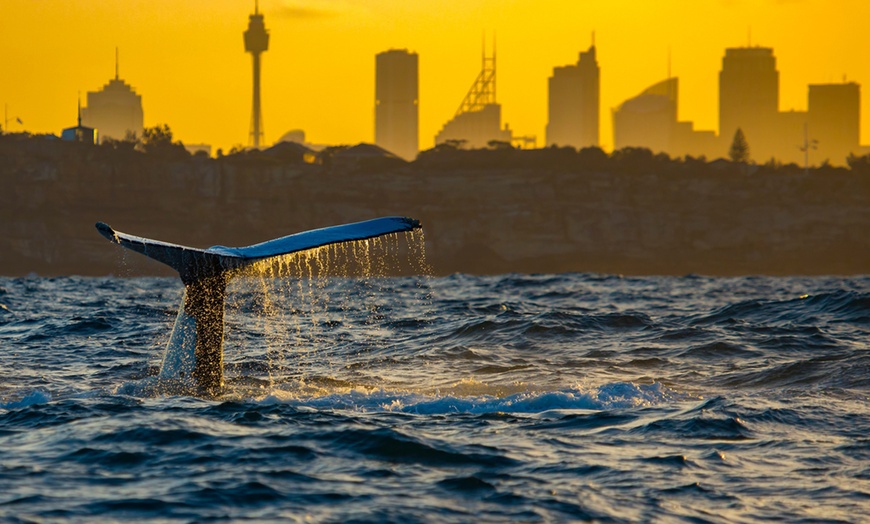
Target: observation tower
(256, 41)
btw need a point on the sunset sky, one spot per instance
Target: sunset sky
(186, 58)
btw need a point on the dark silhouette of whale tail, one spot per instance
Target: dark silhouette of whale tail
(194, 354)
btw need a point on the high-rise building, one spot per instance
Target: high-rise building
(256, 42)
(749, 100)
(477, 122)
(834, 120)
(749, 97)
(574, 94)
(649, 120)
(397, 102)
(115, 110)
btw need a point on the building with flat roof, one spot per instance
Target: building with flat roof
(749, 97)
(834, 120)
(397, 102)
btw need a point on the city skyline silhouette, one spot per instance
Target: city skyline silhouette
(318, 74)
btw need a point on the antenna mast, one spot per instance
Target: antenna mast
(482, 92)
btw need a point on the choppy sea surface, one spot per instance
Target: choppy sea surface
(522, 398)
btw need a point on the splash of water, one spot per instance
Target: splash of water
(282, 323)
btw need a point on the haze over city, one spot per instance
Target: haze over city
(188, 62)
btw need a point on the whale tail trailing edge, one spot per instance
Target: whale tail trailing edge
(194, 353)
(194, 263)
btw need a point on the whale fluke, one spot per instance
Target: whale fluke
(194, 353)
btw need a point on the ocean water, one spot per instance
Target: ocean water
(521, 398)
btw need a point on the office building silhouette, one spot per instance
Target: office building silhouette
(397, 102)
(115, 110)
(650, 120)
(834, 120)
(647, 120)
(477, 122)
(829, 130)
(749, 97)
(574, 102)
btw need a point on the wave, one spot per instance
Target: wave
(831, 307)
(618, 395)
(32, 398)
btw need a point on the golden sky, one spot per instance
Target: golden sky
(186, 57)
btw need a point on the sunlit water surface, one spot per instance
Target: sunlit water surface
(459, 399)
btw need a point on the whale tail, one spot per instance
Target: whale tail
(194, 353)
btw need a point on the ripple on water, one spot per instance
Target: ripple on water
(500, 398)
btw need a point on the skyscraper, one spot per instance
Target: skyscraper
(256, 42)
(115, 110)
(649, 119)
(573, 112)
(397, 103)
(834, 120)
(749, 97)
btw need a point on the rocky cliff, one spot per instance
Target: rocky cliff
(479, 216)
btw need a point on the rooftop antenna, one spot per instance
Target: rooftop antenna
(483, 45)
(80, 109)
(482, 92)
(493, 66)
(116, 63)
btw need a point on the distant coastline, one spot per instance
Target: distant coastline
(484, 211)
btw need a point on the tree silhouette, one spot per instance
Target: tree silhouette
(859, 164)
(739, 151)
(156, 136)
(499, 145)
(157, 141)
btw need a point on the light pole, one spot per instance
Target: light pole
(808, 144)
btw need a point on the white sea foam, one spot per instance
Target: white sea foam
(31, 399)
(618, 395)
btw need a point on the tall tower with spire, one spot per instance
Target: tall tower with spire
(256, 41)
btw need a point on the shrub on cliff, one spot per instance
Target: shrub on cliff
(157, 141)
(860, 165)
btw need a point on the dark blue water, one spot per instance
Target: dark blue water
(461, 399)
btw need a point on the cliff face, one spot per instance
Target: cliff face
(485, 219)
